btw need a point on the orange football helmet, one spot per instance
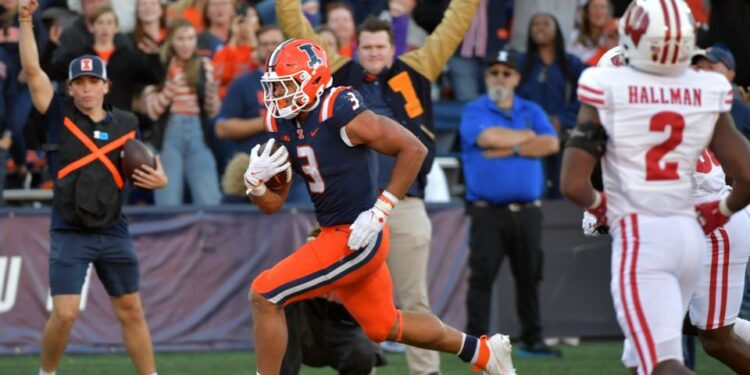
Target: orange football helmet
(297, 73)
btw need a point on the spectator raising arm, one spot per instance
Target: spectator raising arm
(428, 60)
(400, 25)
(440, 45)
(294, 24)
(39, 83)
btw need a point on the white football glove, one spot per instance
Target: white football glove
(263, 166)
(590, 225)
(365, 229)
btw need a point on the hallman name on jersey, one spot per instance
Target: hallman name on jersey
(687, 96)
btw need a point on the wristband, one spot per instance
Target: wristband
(597, 200)
(723, 208)
(386, 202)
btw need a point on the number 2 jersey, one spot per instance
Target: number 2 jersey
(341, 178)
(657, 127)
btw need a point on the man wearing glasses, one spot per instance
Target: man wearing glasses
(503, 139)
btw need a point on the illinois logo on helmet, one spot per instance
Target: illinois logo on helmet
(297, 73)
(657, 36)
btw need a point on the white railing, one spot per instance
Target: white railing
(27, 195)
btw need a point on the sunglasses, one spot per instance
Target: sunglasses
(497, 72)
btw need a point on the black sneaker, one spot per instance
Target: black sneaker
(538, 350)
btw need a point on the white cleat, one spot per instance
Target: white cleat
(500, 362)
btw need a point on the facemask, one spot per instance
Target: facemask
(499, 93)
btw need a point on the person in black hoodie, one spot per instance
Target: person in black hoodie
(127, 68)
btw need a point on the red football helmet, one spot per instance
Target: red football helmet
(297, 73)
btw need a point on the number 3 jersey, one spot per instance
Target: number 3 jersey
(341, 178)
(657, 127)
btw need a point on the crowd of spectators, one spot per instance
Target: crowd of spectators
(187, 68)
(190, 69)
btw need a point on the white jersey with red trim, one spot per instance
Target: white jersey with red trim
(709, 180)
(657, 127)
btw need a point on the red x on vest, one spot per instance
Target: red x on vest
(96, 152)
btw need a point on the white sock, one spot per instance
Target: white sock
(42, 372)
(742, 329)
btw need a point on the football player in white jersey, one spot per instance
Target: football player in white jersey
(715, 305)
(716, 302)
(649, 122)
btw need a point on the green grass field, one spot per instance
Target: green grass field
(588, 358)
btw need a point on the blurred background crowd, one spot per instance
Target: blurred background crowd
(194, 65)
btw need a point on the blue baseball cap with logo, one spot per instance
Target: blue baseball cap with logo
(717, 54)
(87, 65)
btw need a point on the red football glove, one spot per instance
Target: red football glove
(710, 216)
(599, 209)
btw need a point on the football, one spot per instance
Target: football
(281, 179)
(134, 154)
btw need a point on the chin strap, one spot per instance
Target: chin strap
(315, 105)
(295, 113)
